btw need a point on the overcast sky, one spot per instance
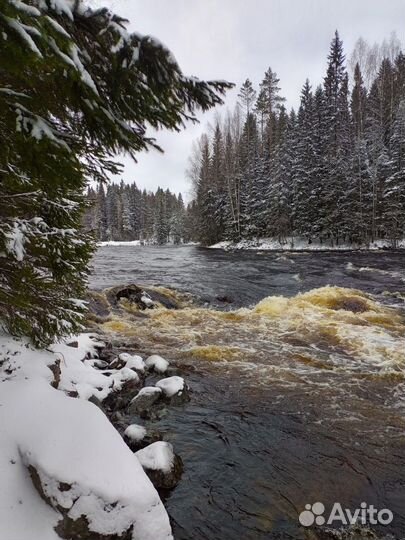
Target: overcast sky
(236, 39)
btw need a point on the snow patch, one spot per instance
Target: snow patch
(70, 441)
(300, 244)
(119, 243)
(147, 300)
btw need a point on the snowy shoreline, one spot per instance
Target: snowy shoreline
(269, 244)
(139, 243)
(301, 244)
(64, 462)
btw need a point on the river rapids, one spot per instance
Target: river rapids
(297, 397)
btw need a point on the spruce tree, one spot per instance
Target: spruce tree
(76, 89)
(394, 186)
(360, 216)
(305, 201)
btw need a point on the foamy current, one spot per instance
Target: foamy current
(298, 385)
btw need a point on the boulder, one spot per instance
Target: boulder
(56, 372)
(119, 398)
(138, 437)
(175, 390)
(68, 527)
(135, 433)
(161, 464)
(130, 361)
(143, 402)
(97, 305)
(157, 363)
(142, 298)
(99, 364)
(105, 495)
(132, 293)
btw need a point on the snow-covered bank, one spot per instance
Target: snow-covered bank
(120, 243)
(61, 460)
(142, 243)
(301, 244)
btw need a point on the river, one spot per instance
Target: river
(297, 388)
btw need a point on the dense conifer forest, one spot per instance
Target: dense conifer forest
(333, 171)
(124, 212)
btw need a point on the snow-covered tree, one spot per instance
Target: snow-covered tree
(394, 187)
(76, 89)
(334, 173)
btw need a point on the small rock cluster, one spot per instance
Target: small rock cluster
(147, 402)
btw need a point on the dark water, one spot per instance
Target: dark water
(265, 435)
(246, 276)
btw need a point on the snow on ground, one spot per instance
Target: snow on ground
(130, 243)
(82, 377)
(158, 456)
(171, 385)
(82, 463)
(119, 243)
(299, 244)
(157, 363)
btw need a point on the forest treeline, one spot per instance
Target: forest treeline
(333, 171)
(124, 212)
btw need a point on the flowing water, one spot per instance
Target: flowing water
(297, 386)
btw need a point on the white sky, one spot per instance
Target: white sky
(236, 39)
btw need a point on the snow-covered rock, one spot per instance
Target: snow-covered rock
(138, 437)
(174, 389)
(133, 361)
(134, 432)
(63, 451)
(157, 363)
(161, 464)
(144, 400)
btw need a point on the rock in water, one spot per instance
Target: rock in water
(157, 363)
(138, 437)
(130, 361)
(144, 400)
(132, 293)
(99, 308)
(174, 390)
(134, 432)
(161, 464)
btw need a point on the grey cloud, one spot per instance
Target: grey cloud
(235, 39)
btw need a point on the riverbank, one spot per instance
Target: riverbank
(137, 243)
(73, 467)
(301, 244)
